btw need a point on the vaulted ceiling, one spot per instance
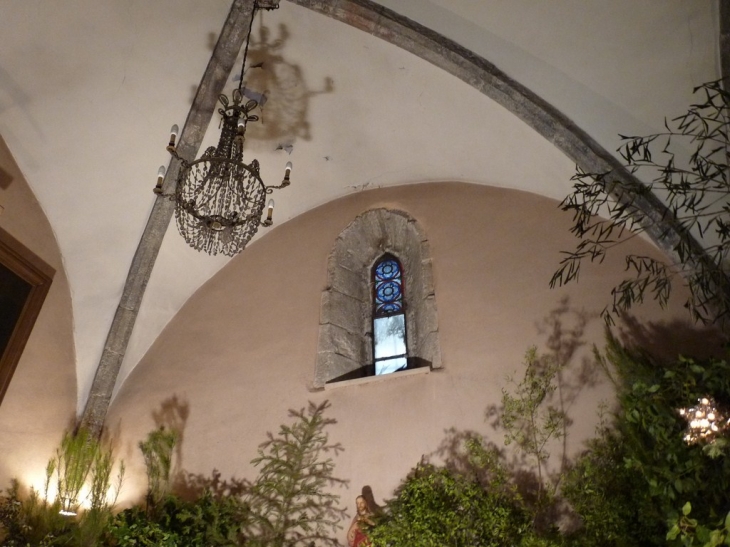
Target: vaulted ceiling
(89, 90)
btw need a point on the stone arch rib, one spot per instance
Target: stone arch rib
(646, 208)
(345, 330)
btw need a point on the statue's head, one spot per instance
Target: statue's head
(362, 505)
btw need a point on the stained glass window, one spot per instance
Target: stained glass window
(389, 321)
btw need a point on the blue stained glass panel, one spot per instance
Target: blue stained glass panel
(387, 269)
(388, 287)
(388, 291)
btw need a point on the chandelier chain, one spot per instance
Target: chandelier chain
(248, 41)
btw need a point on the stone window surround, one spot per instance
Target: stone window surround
(345, 331)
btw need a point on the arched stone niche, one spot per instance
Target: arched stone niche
(345, 347)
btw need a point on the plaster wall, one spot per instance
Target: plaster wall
(242, 350)
(41, 399)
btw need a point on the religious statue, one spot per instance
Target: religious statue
(363, 518)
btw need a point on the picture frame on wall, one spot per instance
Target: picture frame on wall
(25, 280)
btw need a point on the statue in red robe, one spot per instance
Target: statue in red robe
(363, 518)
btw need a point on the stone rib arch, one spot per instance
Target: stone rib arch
(345, 331)
(646, 208)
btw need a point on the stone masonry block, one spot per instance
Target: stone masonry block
(343, 310)
(372, 227)
(351, 283)
(429, 348)
(412, 330)
(344, 257)
(363, 249)
(413, 282)
(417, 229)
(331, 365)
(396, 229)
(120, 331)
(334, 339)
(428, 317)
(427, 277)
(425, 249)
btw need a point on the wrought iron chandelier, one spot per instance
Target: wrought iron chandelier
(219, 199)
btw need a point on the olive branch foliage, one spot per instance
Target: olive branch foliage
(530, 420)
(687, 168)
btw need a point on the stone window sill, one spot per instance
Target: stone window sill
(372, 379)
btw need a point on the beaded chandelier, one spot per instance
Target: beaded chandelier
(219, 199)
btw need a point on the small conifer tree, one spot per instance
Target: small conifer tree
(289, 501)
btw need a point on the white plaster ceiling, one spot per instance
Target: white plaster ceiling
(89, 89)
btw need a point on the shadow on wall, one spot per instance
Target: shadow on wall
(5, 179)
(192, 486)
(278, 86)
(560, 375)
(668, 340)
(173, 415)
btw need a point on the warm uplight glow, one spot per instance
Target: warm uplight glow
(85, 497)
(83, 503)
(704, 421)
(37, 482)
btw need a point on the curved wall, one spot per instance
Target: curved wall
(242, 350)
(41, 399)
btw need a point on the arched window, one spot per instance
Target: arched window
(389, 318)
(386, 249)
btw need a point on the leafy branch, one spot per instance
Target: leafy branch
(529, 420)
(687, 167)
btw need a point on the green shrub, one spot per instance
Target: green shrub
(608, 496)
(634, 475)
(205, 521)
(443, 506)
